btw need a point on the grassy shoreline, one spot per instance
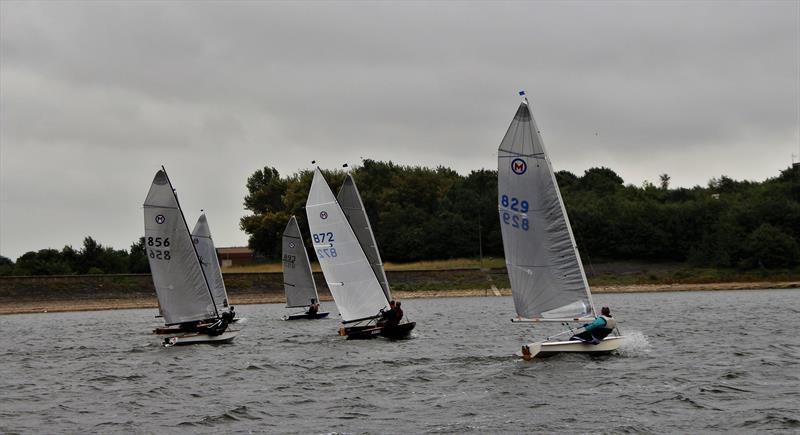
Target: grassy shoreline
(263, 283)
(116, 303)
(599, 274)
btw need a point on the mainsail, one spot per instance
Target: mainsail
(201, 236)
(547, 277)
(353, 207)
(298, 281)
(181, 287)
(353, 284)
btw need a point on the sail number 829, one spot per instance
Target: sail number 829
(516, 221)
(515, 204)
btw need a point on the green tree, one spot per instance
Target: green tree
(600, 180)
(435, 213)
(43, 262)
(7, 267)
(137, 259)
(770, 247)
(664, 181)
(265, 190)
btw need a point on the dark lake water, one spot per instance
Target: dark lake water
(695, 362)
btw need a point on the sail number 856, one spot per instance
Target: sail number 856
(158, 242)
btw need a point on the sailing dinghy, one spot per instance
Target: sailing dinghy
(298, 279)
(207, 252)
(548, 282)
(185, 298)
(350, 276)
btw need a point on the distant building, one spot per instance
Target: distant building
(235, 256)
(715, 195)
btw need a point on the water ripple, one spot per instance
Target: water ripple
(676, 373)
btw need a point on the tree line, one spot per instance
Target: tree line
(420, 213)
(91, 258)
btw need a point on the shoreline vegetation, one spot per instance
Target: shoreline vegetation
(263, 283)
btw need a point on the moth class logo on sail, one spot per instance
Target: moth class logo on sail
(323, 215)
(160, 219)
(519, 166)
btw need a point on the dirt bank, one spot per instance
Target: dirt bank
(62, 302)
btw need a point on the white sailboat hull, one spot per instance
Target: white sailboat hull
(197, 338)
(549, 348)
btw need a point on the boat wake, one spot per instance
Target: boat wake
(635, 344)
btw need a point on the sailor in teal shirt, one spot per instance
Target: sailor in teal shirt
(598, 322)
(599, 329)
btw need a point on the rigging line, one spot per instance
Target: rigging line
(588, 257)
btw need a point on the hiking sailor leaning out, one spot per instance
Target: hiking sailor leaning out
(599, 329)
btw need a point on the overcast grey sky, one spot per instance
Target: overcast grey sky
(95, 96)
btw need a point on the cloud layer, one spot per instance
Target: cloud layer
(95, 96)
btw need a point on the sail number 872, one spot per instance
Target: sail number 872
(515, 220)
(328, 252)
(323, 237)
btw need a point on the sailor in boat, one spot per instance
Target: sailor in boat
(398, 315)
(211, 326)
(392, 317)
(218, 327)
(599, 329)
(388, 315)
(229, 315)
(313, 309)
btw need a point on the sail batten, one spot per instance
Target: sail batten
(298, 279)
(181, 287)
(547, 277)
(353, 284)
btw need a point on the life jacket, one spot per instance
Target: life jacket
(398, 314)
(610, 322)
(217, 328)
